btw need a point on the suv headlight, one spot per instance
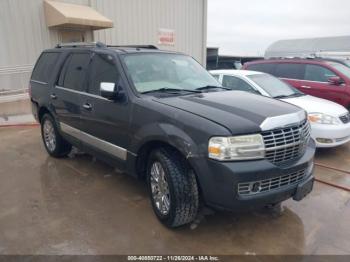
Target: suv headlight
(236, 147)
(321, 118)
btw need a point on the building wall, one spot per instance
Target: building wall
(24, 32)
(23, 35)
(139, 23)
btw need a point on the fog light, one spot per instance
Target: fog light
(255, 187)
(324, 140)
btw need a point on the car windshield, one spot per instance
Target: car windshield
(153, 72)
(341, 68)
(274, 87)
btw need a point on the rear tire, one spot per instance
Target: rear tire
(174, 197)
(54, 143)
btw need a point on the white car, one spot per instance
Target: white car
(330, 122)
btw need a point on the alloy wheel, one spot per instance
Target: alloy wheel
(49, 135)
(160, 188)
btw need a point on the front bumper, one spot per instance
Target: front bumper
(330, 135)
(219, 181)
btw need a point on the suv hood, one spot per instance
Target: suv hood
(238, 111)
(312, 104)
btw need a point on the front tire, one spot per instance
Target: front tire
(275, 209)
(54, 143)
(173, 188)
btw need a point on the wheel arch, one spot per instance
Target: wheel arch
(42, 111)
(147, 147)
(145, 150)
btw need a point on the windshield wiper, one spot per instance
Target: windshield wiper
(171, 91)
(281, 96)
(297, 95)
(208, 87)
(286, 96)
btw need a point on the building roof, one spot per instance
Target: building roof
(308, 46)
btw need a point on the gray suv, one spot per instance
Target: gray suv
(160, 116)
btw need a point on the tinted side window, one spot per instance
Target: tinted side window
(236, 83)
(292, 71)
(226, 65)
(317, 73)
(44, 67)
(103, 69)
(63, 71)
(75, 71)
(265, 68)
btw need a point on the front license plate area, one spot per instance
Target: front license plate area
(303, 189)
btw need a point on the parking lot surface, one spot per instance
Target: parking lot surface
(78, 205)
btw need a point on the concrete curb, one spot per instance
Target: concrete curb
(14, 98)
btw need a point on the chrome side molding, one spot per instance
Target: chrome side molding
(283, 120)
(98, 143)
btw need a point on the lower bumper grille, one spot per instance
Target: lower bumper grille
(267, 185)
(342, 139)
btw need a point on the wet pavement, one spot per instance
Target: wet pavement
(81, 206)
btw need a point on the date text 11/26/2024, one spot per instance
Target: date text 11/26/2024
(173, 258)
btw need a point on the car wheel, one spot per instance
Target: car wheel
(54, 143)
(173, 188)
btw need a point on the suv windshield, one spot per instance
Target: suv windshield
(274, 87)
(162, 72)
(341, 68)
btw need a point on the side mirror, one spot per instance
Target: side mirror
(108, 91)
(335, 80)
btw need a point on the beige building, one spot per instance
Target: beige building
(29, 26)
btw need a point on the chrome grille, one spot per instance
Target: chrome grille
(345, 118)
(260, 186)
(286, 144)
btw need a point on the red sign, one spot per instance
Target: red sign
(166, 37)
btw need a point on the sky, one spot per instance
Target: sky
(248, 27)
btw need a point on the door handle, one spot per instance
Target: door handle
(87, 106)
(53, 96)
(308, 87)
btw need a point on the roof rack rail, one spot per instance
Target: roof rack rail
(135, 46)
(81, 44)
(102, 45)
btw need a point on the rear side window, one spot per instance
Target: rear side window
(226, 65)
(74, 72)
(44, 67)
(103, 69)
(236, 83)
(292, 71)
(265, 68)
(317, 73)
